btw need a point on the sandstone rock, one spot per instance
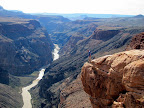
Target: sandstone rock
(115, 80)
(137, 42)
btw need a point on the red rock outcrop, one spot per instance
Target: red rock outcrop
(115, 80)
(137, 42)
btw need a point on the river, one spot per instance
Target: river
(25, 90)
(55, 52)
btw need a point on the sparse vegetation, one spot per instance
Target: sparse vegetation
(69, 65)
(26, 46)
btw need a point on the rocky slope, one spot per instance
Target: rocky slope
(80, 43)
(69, 30)
(73, 96)
(99, 29)
(137, 42)
(100, 41)
(52, 22)
(115, 80)
(9, 98)
(70, 65)
(24, 45)
(110, 36)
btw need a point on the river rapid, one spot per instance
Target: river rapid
(55, 52)
(25, 90)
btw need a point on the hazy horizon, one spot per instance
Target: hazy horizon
(121, 7)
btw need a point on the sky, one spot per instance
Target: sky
(124, 7)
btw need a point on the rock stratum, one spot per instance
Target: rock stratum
(137, 42)
(115, 80)
(24, 45)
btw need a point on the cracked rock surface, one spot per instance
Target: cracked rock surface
(115, 80)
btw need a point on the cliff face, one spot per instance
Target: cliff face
(96, 38)
(104, 35)
(80, 43)
(24, 45)
(137, 42)
(70, 44)
(100, 41)
(115, 80)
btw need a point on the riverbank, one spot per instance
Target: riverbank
(25, 90)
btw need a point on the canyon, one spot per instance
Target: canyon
(26, 46)
(25, 90)
(63, 73)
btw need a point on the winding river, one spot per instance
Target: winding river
(25, 90)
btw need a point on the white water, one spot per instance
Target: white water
(55, 53)
(25, 93)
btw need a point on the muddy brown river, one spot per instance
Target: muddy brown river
(25, 90)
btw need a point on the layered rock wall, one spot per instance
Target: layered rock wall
(137, 42)
(24, 46)
(115, 80)
(104, 35)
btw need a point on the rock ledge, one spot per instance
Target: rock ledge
(115, 80)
